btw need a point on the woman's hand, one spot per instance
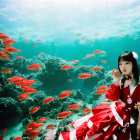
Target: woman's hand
(116, 76)
(137, 106)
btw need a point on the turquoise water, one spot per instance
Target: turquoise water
(64, 31)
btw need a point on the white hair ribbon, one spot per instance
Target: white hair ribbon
(135, 55)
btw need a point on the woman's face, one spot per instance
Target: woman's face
(125, 67)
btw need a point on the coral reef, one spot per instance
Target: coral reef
(50, 80)
(10, 112)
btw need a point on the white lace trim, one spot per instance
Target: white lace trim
(115, 113)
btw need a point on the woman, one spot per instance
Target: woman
(110, 122)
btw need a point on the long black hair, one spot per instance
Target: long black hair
(128, 56)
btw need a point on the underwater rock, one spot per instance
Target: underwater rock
(21, 65)
(53, 134)
(25, 122)
(2, 63)
(11, 90)
(77, 94)
(105, 81)
(53, 113)
(55, 104)
(10, 112)
(99, 99)
(65, 122)
(2, 79)
(53, 63)
(52, 76)
(38, 97)
(79, 69)
(53, 108)
(25, 105)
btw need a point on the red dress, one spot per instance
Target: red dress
(106, 119)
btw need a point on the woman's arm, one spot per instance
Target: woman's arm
(113, 93)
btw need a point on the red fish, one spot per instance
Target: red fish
(42, 120)
(26, 82)
(47, 100)
(34, 135)
(75, 61)
(4, 56)
(11, 50)
(103, 87)
(96, 68)
(85, 76)
(104, 61)
(73, 107)
(35, 46)
(41, 53)
(9, 79)
(15, 79)
(34, 110)
(2, 36)
(34, 67)
(23, 96)
(2, 53)
(66, 67)
(19, 57)
(87, 110)
(7, 42)
(25, 41)
(28, 90)
(51, 126)
(65, 94)
(97, 51)
(89, 55)
(64, 114)
(30, 125)
(21, 33)
(4, 71)
(18, 138)
(102, 91)
(38, 39)
(28, 131)
(37, 126)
